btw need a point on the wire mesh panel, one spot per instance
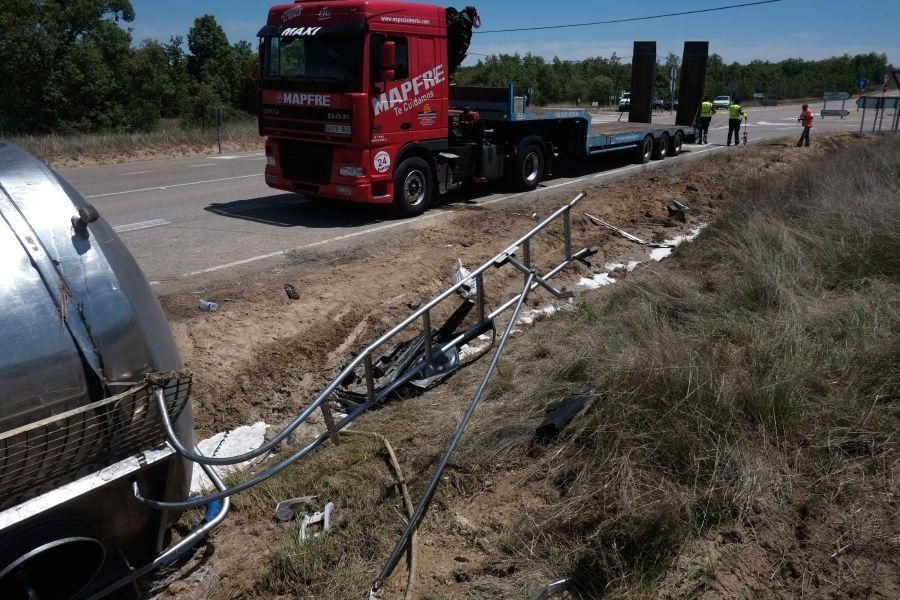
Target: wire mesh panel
(39, 456)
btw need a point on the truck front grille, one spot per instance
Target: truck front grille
(305, 161)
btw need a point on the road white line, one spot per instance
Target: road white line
(140, 225)
(174, 185)
(432, 215)
(136, 172)
(203, 165)
(233, 156)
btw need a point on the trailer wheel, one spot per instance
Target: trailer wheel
(413, 187)
(645, 150)
(677, 143)
(528, 169)
(661, 147)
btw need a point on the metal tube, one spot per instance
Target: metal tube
(326, 393)
(400, 545)
(426, 330)
(329, 424)
(370, 378)
(551, 273)
(863, 118)
(479, 297)
(188, 541)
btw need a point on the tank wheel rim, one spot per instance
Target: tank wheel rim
(414, 188)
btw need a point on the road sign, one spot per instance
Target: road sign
(878, 102)
(834, 112)
(862, 83)
(835, 96)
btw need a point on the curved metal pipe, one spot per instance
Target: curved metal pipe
(300, 418)
(205, 460)
(425, 501)
(184, 545)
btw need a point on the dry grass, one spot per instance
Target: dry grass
(744, 390)
(170, 139)
(754, 374)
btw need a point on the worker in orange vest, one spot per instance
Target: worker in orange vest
(806, 119)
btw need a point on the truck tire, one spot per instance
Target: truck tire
(677, 143)
(661, 147)
(645, 150)
(413, 187)
(528, 169)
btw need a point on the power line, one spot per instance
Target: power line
(647, 18)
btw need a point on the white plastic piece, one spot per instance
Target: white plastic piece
(323, 517)
(461, 275)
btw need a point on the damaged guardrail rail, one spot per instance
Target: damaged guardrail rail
(430, 355)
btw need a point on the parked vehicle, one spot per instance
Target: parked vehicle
(390, 128)
(721, 101)
(625, 102)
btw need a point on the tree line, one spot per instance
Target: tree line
(597, 79)
(70, 66)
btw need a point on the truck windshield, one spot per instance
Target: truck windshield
(328, 63)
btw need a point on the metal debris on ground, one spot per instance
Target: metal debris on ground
(624, 234)
(316, 524)
(287, 510)
(559, 414)
(208, 306)
(291, 292)
(391, 366)
(553, 589)
(677, 210)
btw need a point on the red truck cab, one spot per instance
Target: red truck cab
(351, 92)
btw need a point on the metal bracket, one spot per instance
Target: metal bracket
(322, 517)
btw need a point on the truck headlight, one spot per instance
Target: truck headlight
(270, 160)
(351, 171)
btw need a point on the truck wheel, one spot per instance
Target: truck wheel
(677, 143)
(413, 187)
(661, 147)
(528, 169)
(645, 150)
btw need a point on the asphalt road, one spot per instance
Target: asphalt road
(190, 221)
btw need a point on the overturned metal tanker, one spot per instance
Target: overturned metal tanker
(84, 346)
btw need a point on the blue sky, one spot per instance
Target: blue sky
(791, 28)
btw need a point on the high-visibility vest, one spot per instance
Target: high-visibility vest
(807, 118)
(734, 111)
(706, 109)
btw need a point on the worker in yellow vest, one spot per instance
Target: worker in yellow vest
(707, 110)
(735, 116)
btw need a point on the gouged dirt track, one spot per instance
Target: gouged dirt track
(263, 356)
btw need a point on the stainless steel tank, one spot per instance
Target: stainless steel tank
(83, 344)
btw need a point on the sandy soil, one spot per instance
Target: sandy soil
(264, 356)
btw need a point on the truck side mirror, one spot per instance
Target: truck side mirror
(388, 60)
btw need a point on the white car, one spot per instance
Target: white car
(625, 102)
(722, 102)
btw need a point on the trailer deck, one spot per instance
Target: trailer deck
(502, 105)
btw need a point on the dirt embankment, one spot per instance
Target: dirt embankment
(263, 356)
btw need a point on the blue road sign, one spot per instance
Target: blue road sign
(862, 83)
